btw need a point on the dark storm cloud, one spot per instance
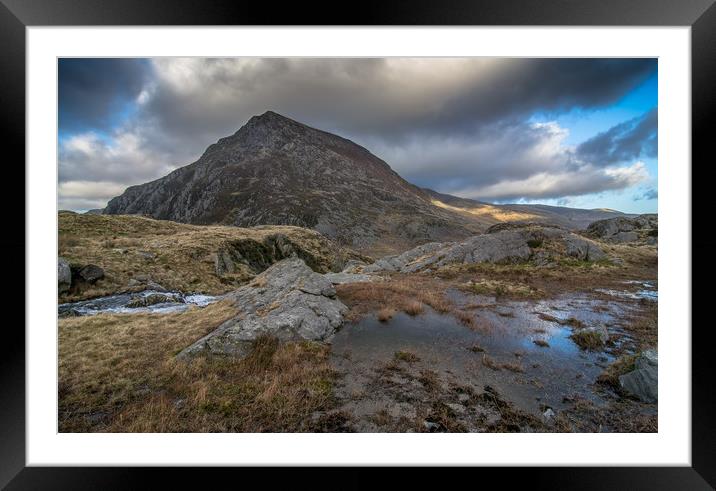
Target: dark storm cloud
(384, 96)
(460, 125)
(92, 90)
(629, 140)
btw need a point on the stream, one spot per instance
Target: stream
(147, 301)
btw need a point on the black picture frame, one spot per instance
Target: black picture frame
(16, 15)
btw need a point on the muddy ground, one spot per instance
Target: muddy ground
(504, 356)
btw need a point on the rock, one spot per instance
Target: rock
(133, 283)
(353, 266)
(548, 415)
(64, 275)
(456, 408)
(91, 273)
(643, 381)
(396, 263)
(624, 229)
(432, 427)
(153, 299)
(223, 263)
(155, 286)
(622, 237)
(147, 256)
(508, 243)
(343, 278)
(288, 300)
(583, 249)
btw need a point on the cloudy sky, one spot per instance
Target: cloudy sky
(572, 132)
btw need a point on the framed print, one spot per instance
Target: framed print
(428, 238)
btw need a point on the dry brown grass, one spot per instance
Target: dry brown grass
(497, 366)
(407, 294)
(385, 314)
(541, 343)
(587, 340)
(501, 288)
(180, 256)
(620, 366)
(490, 363)
(531, 281)
(465, 317)
(406, 356)
(118, 373)
(644, 326)
(414, 308)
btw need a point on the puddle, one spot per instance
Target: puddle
(504, 339)
(134, 303)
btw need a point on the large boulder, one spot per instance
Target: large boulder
(91, 273)
(288, 300)
(508, 243)
(625, 229)
(345, 278)
(643, 381)
(64, 275)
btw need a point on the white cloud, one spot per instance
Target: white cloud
(585, 180)
(85, 195)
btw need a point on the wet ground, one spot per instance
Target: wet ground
(429, 371)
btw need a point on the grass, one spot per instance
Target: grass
(563, 274)
(587, 339)
(406, 356)
(179, 256)
(571, 321)
(492, 364)
(409, 295)
(385, 314)
(414, 308)
(501, 288)
(118, 373)
(541, 343)
(610, 376)
(644, 326)
(476, 348)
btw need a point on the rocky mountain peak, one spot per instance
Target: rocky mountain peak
(277, 171)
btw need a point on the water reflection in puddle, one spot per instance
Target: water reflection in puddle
(499, 351)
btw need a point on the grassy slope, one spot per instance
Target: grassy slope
(118, 373)
(181, 257)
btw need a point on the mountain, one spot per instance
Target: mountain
(570, 218)
(277, 171)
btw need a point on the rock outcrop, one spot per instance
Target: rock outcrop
(288, 300)
(91, 273)
(643, 381)
(504, 243)
(626, 229)
(64, 275)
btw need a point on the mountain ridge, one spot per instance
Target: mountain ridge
(277, 171)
